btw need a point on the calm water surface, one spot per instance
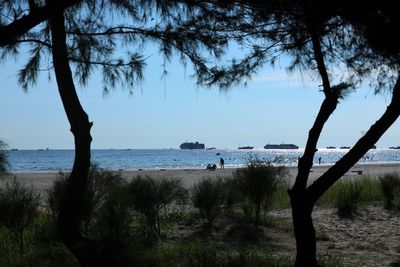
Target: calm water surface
(53, 160)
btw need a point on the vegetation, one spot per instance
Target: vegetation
(3, 159)
(210, 197)
(390, 184)
(152, 196)
(116, 220)
(319, 37)
(348, 197)
(78, 37)
(257, 184)
(18, 208)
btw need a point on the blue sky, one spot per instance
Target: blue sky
(274, 107)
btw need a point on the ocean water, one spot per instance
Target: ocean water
(131, 159)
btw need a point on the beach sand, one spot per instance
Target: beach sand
(43, 180)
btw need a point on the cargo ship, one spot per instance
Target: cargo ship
(281, 146)
(191, 145)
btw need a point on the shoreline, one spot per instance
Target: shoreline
(42, 180)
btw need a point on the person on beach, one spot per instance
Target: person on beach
(221, 163)
(319, 160)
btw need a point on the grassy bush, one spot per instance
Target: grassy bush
(154, 196)
(390, 185)
(41, 248)
(100, 184)
(3, 159)
(210, 196)
(348, 197)
(257, 184)
(18, 208)
(371, 192)
(280, 197)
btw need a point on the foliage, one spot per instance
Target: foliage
(257, 184)
(114, 219)
(41, 246)
(348, 197)
(390, 184)
(3, 159)
(18, 208)
(100, 184)
(371, 192)
(154, 196)
(280, 198)
(93, 40)
(210, 197)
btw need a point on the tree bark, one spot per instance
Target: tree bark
(72, 209)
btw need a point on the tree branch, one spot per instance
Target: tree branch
(359, 149)
(36, 15)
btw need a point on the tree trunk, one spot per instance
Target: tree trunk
(72, 209)
(300, 200)
(304, 231)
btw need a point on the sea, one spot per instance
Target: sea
(134, 159)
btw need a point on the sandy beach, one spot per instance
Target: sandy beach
(42, 180)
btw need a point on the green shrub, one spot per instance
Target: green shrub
(3, 159)
(18, 208)
(100, 184)
(390, 185)
(154, 196)
(371, 192)
(114, 218)
(348, 197)
(210, 197)
(257, 183)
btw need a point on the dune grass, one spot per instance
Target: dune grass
(371, 193)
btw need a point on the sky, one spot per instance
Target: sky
(274, 107)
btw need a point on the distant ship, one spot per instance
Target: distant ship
(394, 147)
(344, 147)
(191, 145)
(246, 147)
(281, 146)
(210, 148)
(330, 147)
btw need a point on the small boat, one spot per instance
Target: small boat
(394, 147)
(210, 148)
(246, 147)
(344, 147)
(330, 147)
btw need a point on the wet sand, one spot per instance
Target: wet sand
(43, 180)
